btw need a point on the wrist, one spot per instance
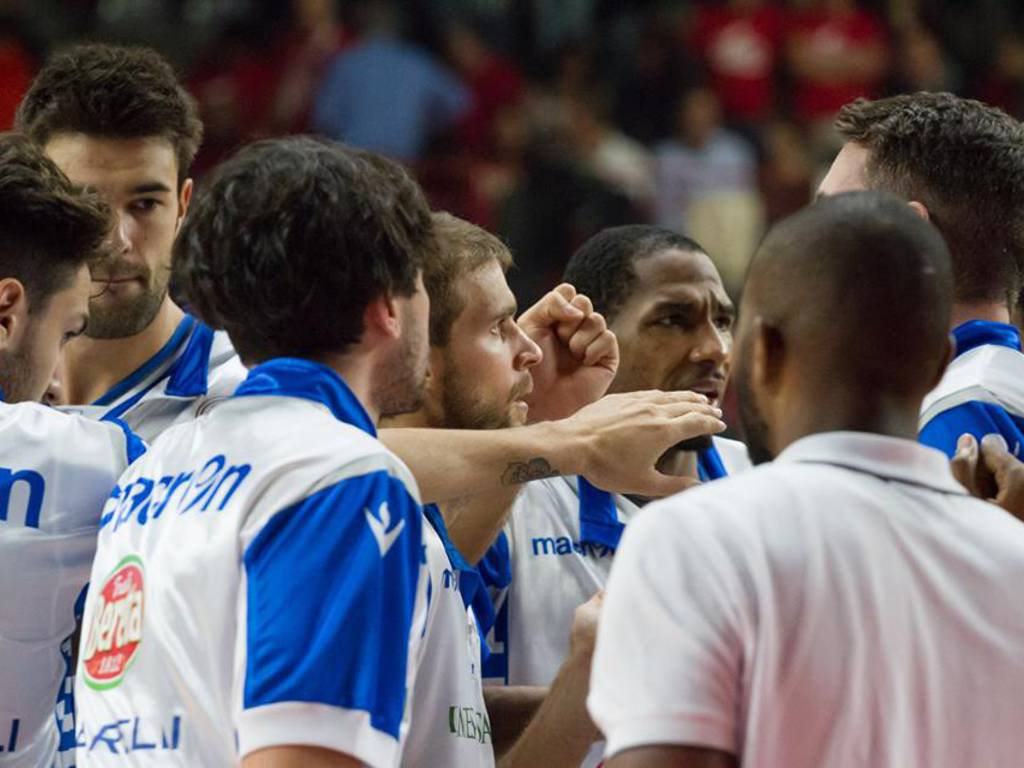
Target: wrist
(570, 450)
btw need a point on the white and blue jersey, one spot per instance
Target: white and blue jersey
(56, 472)
(259, 581)
(450, 724)
(982, 391)
(196, 364)
(555, 553)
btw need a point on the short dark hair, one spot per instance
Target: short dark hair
(49, 227)
(603, 268)
(112, 92)
(866, 283)
(291, 239)
(462, 248)
(964, 161)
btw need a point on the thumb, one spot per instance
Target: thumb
(996, 454)
(965, 462)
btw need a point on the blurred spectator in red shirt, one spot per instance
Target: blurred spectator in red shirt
(493, 81)
(302, 55)
(740, 43)
(609, 155)
(787, 171)
(234, 84)
(837, 52)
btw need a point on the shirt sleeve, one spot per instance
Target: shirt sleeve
(331, 588)
(669, 652)
(977, 418)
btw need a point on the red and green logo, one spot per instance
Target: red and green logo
(113, 636)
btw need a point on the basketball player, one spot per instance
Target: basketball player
(56, 470)
(959, 164)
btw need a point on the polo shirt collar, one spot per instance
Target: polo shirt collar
(888, 458)
(297, 377)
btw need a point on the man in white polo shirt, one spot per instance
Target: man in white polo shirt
(664, 300)
(56, 470)
(849, 604)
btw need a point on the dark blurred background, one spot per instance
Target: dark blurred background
(546, 120)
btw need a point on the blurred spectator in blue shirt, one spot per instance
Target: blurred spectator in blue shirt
(386, 95)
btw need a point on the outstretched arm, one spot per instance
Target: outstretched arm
(615, 443)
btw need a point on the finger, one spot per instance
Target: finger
(604, 349)
(553, 308)
(583, 303)
(565, 290)
(996, 455)
(965, 462)
(691, 425)
(659, 397)
(586, 334)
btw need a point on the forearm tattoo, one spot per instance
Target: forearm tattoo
(519, 472)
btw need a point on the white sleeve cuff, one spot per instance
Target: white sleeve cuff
(678, 730)
(316, 725)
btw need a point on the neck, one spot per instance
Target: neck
(843, 411)
(93, 366)
(357, 371)
(992, 311)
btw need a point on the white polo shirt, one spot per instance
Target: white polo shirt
(450, 725)
(554, 554)
(195, 365)
(846, 605)
(56, 472)
(259, 581)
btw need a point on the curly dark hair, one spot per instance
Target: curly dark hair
(964, 161)
(602, 268)
(290, 240)
(112, 92)
(49, 227)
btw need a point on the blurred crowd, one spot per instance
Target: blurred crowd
(547, 120)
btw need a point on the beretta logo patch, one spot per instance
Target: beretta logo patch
(115, 631)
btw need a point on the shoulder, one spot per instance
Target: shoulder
(297, 435)
(988, 374)
(37, 423)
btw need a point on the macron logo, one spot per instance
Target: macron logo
(380, 526)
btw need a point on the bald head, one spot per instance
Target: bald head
(846, 307)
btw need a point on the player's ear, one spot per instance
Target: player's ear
(920, 209)
(13, 311)
(184, 198)
(382, 317)
(768, 354)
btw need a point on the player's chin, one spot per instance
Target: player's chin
(518, 413)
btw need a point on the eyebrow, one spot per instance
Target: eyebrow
(150, 187)
(690, 305)
(507, 311)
